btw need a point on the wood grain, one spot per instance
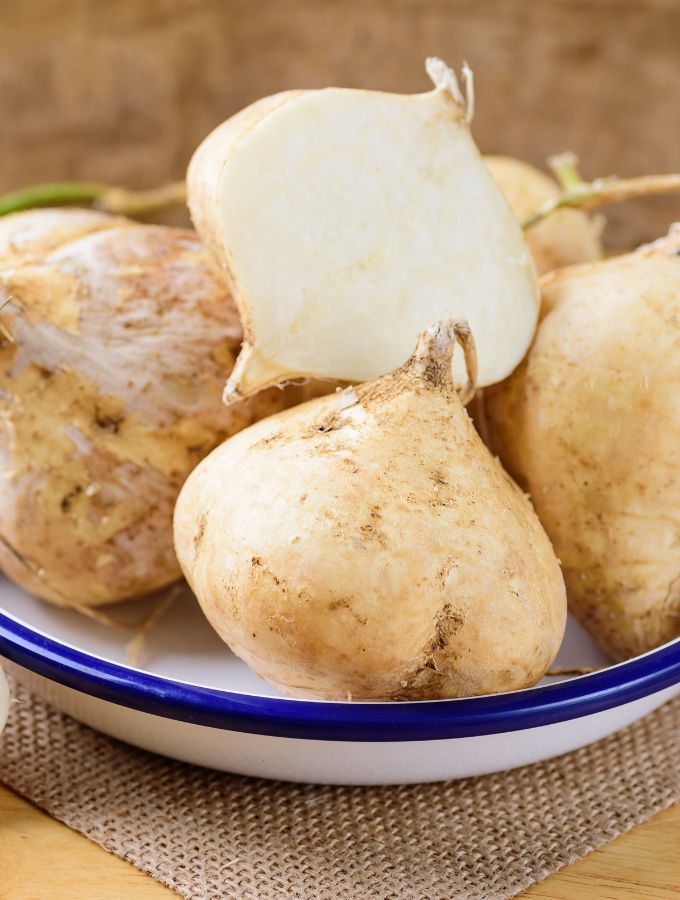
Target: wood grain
(641, 865)
(40, 857)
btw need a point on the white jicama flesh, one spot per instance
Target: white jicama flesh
(367, 544)
(347, 221)
(4, 700)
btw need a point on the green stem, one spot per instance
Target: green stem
(102, 196)
(565, 168)
(56, 194)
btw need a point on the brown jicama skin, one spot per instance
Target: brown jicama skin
(115, 341)
(568, 236)
(367, 545)
(589, 424)
(29, 237)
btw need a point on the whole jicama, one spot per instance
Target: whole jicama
(347, 221)
(589, 424)
(115, 341)
(367, 544)
(567, 237)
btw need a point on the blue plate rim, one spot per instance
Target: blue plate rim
(336, 720)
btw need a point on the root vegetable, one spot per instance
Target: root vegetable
(589, 424)
(349, 220)
(368, 544)
(30, 237)
(568, 236)
(115, 341)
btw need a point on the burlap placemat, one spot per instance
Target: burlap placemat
(210, 835)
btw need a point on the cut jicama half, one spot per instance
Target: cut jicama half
(348, 221)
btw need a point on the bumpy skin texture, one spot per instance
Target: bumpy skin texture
(116, 341)
(366, 544)
(29, 236)
(568, 236)
(590, 425)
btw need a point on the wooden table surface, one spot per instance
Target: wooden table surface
(41, 858)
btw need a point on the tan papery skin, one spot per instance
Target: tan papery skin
(589, 425)
(115, 341)
(366, 545)
(567, 237)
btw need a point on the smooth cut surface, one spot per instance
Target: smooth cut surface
(351, 220)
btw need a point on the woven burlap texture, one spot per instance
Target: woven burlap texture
(210, 835)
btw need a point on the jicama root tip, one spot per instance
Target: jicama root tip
(444, 79)
(433, 355)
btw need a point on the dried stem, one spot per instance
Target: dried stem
(467, 342)
(4, 331)
(579, 194)
(136, 203)
(136, 646)
(576, 670)
(444, 79)
(434, 353)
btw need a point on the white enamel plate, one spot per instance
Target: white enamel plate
(189, 698)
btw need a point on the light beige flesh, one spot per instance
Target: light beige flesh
(348, 221)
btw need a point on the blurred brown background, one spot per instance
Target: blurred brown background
(122, 91)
